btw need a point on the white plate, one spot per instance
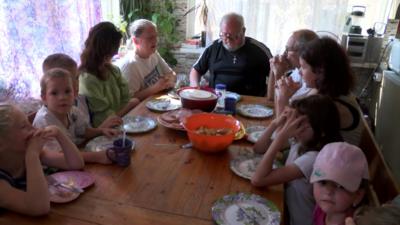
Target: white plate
(254, 133)
(245, 209)
(103, 143)
(163, 104)
(138, 124)
(196, 94)
(255, 111)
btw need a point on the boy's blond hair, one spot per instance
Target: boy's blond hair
(59, 60)
(6, 118)
(53, 73)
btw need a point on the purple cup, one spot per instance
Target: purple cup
(230, 105)
(122, 153)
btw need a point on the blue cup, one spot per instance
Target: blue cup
(230, 105)
(122, 153)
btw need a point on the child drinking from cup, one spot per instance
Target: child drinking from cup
(309, 123)
(64, 61)
(339, 179)
(23, 186)
(58, 98)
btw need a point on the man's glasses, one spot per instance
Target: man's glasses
(290, 49)
(232, 37)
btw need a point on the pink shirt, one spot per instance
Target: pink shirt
(319, 216)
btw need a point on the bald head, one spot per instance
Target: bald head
(233, 18)
(302, 37)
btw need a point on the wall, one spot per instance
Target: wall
(185, 59)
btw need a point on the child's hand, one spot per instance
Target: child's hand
(294, 124)
(109, 132)
(37, 141)
(51, 132)
(287, 87)
(281, 119)
(111, 121)
(349, 221)
(162, 84)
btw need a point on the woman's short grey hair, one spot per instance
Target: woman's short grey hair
(5, 117)
(233, 16)
(138, 26)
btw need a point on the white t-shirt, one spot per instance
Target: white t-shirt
(298, 193)
(142, 73)
(304, 90)
(75, 131)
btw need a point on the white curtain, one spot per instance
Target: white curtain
(272, 21)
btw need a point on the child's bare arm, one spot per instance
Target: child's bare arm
(265, 140)
(94, 132)
(111, 121)
(69, 159)
(35, 200)
(265, 175)
(128, 107)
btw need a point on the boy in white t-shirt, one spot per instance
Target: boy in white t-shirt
(145, 70)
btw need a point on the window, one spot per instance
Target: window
(272, 22)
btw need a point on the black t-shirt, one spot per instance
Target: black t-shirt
(243, 71)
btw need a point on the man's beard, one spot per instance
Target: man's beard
(230, 49)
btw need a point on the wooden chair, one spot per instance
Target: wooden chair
(383, 186)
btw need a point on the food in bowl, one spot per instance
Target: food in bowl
(193, 98)
(223, 125)
(213, 131)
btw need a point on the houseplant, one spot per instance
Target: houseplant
(162, 14)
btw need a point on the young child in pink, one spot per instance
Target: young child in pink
(339, 179)
(57, 94)
(23, 185)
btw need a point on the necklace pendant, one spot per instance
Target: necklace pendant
(234, 59)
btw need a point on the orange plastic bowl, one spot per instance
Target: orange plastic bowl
(211, 143)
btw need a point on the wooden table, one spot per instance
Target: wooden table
(163, 185)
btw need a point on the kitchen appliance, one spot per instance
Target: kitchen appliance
(362, 49)
(356, 16)
(387, 123)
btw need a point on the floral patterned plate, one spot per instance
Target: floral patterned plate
(102, 143)
(245, 209)
(244, 161)
(138, 124)
(254, 133)
(255, 111)
(163, 104)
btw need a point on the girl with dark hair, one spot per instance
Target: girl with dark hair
(309, 124)
(101, 82)
(325, 67)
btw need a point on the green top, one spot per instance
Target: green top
(105, 97)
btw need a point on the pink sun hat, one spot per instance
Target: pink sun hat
(342, 163)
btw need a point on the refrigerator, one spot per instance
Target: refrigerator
(387, 115)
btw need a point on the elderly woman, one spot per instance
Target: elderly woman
(144, 69)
